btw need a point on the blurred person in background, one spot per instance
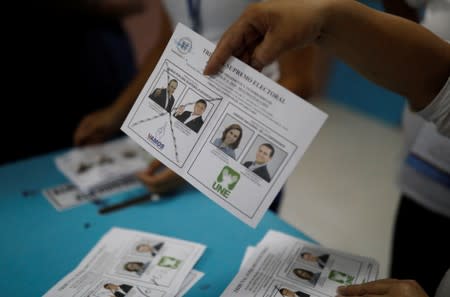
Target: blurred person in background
(70, 58)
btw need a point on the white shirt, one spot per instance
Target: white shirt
(191, 117)
(253, 166)
(438, 111)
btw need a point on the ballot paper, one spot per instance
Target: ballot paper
(248, 253)
(235, 136)
(96, 166)
(133, 263)
(68, 195)
(282, 265)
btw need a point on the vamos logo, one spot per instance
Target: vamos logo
(226, 181)
(155, 139)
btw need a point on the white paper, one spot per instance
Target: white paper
(248, 253)
(96, 165)
(193, 277)
(278, 256)
(66, 196)
(123, 257)
(266, 113)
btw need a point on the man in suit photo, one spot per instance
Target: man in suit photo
(192, 120)
(164, 97)
(118, 291)
(321, 260)
(263, 156)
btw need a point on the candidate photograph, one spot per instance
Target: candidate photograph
(313, 257)
(264, 158)
(231, 137)
(193, 110)
(166, 92)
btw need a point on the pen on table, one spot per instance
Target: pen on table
(129, 202)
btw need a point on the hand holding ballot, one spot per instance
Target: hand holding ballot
(242, 169)
(353, 32)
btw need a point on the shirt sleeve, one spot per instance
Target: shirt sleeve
(438, 111)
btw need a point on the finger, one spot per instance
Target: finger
(219, 56)
(378, 287)
(162, 182)
(269, 49)
(154, 165)
(83, 130)
(153, 177)
(82, 138)
(230, 43)
(80, 134)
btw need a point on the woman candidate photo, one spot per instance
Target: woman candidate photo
(231, 137)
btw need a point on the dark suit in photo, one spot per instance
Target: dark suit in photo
(262, 171)
(161, 99)
(125, 288)
(194, 124)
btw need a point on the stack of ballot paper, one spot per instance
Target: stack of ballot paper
(93, 167)
(133, 263)
(282, 265)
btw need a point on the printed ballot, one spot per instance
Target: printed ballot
(235, 136)
(133, 263)
(282, 265)
(97, 167)
(66, 196)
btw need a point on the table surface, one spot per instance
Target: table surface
(42, 245)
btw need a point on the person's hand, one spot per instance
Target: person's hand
(384, 287)
(180, 110)
(158, 92)
(160, 179)
(267, 29)
(97, 127)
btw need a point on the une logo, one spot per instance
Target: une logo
(226, 181)
(184, 45)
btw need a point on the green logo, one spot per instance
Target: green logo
(169, 262)
(226, 181)
(341, 277)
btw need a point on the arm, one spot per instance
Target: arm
(393, 52)
(100, 125)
